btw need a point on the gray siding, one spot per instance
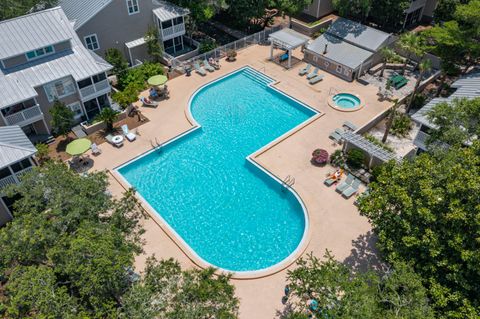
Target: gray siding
(114, 27)
(331, 67)
(319, 8)
(430, 7)
(21, 59)
(4, 214)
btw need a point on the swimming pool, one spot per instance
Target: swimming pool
(346, 102)
(227, 210)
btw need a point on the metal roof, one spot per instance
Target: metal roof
(14, 145)
(358, 34)
(288, 38)
(467, 86)
(168, 11)
(339, 51)
(367, 146)
(81, 11)
(18, 83)
(32, 31)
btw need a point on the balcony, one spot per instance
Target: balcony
(13, 179)
(421, 140)
(95, 89)
(25, 117)
(174, 31)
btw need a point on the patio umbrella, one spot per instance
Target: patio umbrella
(157, 80)
(78, 146)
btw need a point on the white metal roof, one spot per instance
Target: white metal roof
(81, 11)
(32, 31)
(367, 146)
(467, 87)
(14, 145)
(17, 84)
(288, 38)
(168, 11)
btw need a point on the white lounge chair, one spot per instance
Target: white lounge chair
(199, 69)
(95, 149)
(349, 125)
(316, 79)
(207, 66)
(312, 74)
(129, 135)
(346, 184)
(305, 70)
(109, 139)
(148, 103)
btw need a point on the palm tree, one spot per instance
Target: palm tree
(410, 43)
(109, 116)
(387, 54)
(389, 123)
(424, 66)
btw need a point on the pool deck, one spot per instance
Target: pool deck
(335, 223)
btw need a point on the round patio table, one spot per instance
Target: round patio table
(117, 139)
(157, 80)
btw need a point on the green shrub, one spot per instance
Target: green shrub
(377, 142)
(355, 158)
(337, 159)
(401, 126)
(140, 75)
(207, 44)
(419, 101)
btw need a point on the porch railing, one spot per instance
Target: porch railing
(94, 88)
(25, 115)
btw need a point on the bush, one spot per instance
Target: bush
(207, 44)
(401, 126)
(355, 158)
(377, 142)
(337, 159)
(116, 59)
(42, 152)
(418, 101)
(140, 75)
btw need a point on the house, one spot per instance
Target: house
(42, 59)
(122, 24)
(319, 8)
(347, 49)
(466, 87)
(16, 158)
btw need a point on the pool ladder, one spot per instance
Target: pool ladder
(155, 144)
(288, 181)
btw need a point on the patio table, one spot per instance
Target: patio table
(117, 139)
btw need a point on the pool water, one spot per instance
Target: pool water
(231, 213)
(346, 100)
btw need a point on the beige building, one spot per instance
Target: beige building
(42, 59)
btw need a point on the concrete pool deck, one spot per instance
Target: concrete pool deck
(334, 222)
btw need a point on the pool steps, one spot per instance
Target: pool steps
(257, 77)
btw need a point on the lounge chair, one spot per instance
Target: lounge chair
(200, 70)
(305, 70)
(335, 136)
(129, 135)
(312, 74)
(339, 131)
(352, 189)
(283, 57)
(95, 149)
(349, 125)
(109, 139)
(316, 79)
(344, 185)
(207, 66)
(148, 103)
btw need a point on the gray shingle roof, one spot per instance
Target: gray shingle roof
(30, 32)
(14, 145)
(339, 51)
(17, 84)
(289, 38)
(81, 11)
(358, 34)
(467, 87)
(168, 11)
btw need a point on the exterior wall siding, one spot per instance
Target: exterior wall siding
(319, 8)
(22, 59)
(4, 214)
(331, 67)
(114, 26)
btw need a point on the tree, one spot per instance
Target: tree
(391, 117)
(62, 118)
(456, 122)
(246, 11)
(445, 10)
(390, 14)
(357, 9)
(201, 10)
(42, 154)
(387, 54)
(14, 8)
(411, 44)
(424, 66)
(128, 96)
(154, 49)
(116, 59)
(425, 213)
(340, 293)
(291, 8)
(109, 116)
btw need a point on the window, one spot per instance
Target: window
(59, 89)
(76, 109)
(99, 77)
(178, 20)
(35, 54)
(315, 58)
(91, 42)
(166, 24)
(20, 166)
(132, 6)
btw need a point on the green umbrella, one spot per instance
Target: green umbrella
(157, 80)
(79, 146)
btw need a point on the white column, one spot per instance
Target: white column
(271, 51)
(289, 58)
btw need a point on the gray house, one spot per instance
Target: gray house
(16, 158)
(42, 59)
(122, 24)
(466, 87)
(347, 49)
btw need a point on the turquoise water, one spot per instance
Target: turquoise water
(346, 100)
(231, 213)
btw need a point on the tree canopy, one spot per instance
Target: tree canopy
(62, 118)
(389, 13)
(14, 8)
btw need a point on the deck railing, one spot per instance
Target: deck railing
(25, 115)
(94, 89)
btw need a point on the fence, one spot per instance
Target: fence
(221, 52)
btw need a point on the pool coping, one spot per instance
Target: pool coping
(177, 239)
(332, 104)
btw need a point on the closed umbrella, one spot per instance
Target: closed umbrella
(78, 146)
(157, 80)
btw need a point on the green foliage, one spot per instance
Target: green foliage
(201, 10)
(377, 142)
(43, 151)
(246, 11)
(401, 125)
(355, 158)
(128, 96)
(154, 49)
(14, 8)
(139, 75)
(341, 293)
(456, 122)
(116, 59)
(109, 116)
(207, 44)
(356, 9)
(411, 44)
(62, 118)
(425, 212)
(337, 158)
(389, 13)
(445, 10)
(291, 8)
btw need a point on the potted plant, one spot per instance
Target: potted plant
(231, 55)
(319, 157)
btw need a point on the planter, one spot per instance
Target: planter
(319, 157)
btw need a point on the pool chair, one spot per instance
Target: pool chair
(352, 189)
(95, 149)
(344, 185)
(305, 70)
(148, 103)
(283, 57)
(199, 69)
(207, 66)
(316, 79)
(312, 74)
(129, 135)
(335, 136)
(349, 125)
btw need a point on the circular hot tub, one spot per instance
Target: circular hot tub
(346, 102)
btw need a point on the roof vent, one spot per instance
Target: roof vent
(325, 49)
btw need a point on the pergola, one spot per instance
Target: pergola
(373, 150)
(287, 39)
